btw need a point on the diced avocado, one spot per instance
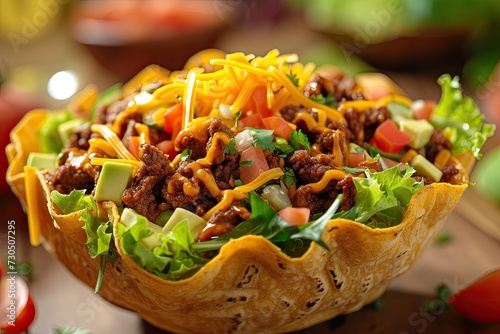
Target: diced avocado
(129, 217)
(419, 129)
(45, 161)
(66, 129)
(355, 148)
(426, 168)
(112, 182)
(164, 217)
(195, 222)
(399, 112)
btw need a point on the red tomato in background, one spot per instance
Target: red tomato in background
(480, 301)
(13, 105)
(16, 305)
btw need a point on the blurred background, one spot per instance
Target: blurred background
(52, 49)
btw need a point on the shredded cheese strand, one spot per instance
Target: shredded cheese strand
(113, 139)
(266, 176)
(189, 94)
(100, 161)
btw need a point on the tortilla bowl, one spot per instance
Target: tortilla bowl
(250, 286)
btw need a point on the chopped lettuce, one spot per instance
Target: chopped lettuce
(382, 198)
(99, 233)
(173, 260)
(460, 118)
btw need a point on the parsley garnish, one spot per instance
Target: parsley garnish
(298, 139)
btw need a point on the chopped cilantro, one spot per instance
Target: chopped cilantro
(351, 170)
(329, 100)
(186, 154)
(262, 138)
(231, 147)
(237, 118)
(298, 139)
(246, 163)
(282, 147)
(288, 177)
(293, 78)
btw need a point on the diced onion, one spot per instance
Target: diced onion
(225, 111)
(243, 140)
(276, 196)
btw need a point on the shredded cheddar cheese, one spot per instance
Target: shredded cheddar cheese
(113, 139)
(101, 161)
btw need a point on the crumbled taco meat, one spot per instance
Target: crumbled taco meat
(363, 123)
(341, 86)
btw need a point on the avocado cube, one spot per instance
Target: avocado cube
(426, 168)
(420, 131)
(45, 161)
(399, 112)
(113, 180)
(129, 217)
(66, 129)
(195, 222)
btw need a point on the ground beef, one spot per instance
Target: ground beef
(317, 202)
(227, 171)
(372, 165)
(348, 189)
(449, 173)
(341, 86)
(68, 177)
(363, 123)
(273, 160)
(289, 112)
(199, 204)
(80, 138)
(436, 143)
(198, 146)
(145, 194)
(223, 222)
(309, 169)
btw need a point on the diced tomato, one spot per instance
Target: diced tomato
(389, 139)
(355, 159)
(480, 301)
(134, 142)
(254, 156)
(295, 216)
(167, 147)
(173, 118)
(279, 125)
(422, 109)
(253, 121)
(24, 310)
(258, 103)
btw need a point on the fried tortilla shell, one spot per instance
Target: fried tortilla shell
(250, 286)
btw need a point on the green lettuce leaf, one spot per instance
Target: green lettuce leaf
(173, 260)
(382, 198)
(460, 118)
(99, 233)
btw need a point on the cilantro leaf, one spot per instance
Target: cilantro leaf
(460, 117)
(299, 140)
(293, 78)
(328, 100)
(282, 147)
(262, 138)
(186, 154)
(288, 177)
(230, 148)
(353, 170)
